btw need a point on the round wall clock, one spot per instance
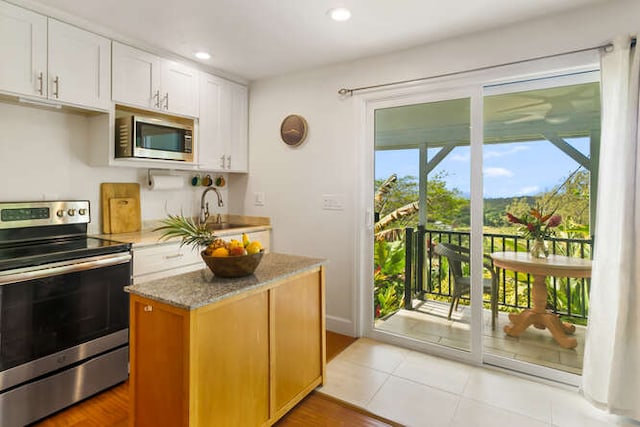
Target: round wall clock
(293, 129)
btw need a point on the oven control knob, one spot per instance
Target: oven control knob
(82, 212)
(71, 212)
(60, 213)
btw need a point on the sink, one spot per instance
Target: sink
(224, 226)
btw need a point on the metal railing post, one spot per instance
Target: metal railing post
(420, 262)
(408, 267)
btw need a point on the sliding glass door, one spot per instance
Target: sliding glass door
(457, 175)
(422, 230)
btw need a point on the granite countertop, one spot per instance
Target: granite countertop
(147, 236)
(190, 291)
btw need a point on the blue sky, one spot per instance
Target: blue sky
(514, 169)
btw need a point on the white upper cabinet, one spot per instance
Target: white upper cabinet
(135, 77)
(23, 49)
(180, 87)
(44, 58)
(237, 160)
(223, 142)
(79, 66)
(144, 80)
(210, 147)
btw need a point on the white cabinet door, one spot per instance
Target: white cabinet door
(135, 77)
(211, 148)
(238, 141)
(223, 125)
(179, 89)
(79, 66)
(23, 49)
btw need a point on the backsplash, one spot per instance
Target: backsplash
(43, 156)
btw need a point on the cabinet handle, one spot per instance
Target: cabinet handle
(173, 256)
(148, 308)
(222, 161)
(157, 97)
(228, 162)
(41, 83)
(166, 101)
(56, 91)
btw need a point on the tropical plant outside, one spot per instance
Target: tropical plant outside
(396, 203)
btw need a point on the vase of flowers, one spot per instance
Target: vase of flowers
(537, 226)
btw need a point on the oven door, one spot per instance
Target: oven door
(56, 315)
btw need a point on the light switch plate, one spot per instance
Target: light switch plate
(332, 202)
(258, 198)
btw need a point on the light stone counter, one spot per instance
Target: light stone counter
(147, 236)
(199, 288)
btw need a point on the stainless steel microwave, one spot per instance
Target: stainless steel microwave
(153, 138)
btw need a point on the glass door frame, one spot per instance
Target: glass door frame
(434, 92)
(471, 85)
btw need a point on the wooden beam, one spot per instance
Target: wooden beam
(569, 150)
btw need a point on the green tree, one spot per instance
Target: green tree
(445, 207)
(570, 199)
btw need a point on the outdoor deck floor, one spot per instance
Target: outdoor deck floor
(428, 322)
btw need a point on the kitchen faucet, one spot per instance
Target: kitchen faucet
(204, 207)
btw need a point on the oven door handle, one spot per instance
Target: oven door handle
(64, 267)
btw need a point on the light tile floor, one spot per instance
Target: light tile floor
(428, 322)
(417, 389)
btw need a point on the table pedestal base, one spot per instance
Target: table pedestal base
(545, 320)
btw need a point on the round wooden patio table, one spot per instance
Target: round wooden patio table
(540, 268)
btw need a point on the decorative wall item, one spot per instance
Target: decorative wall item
(293, 130)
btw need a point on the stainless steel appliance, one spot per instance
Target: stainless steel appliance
(63, 311)
(153, 138)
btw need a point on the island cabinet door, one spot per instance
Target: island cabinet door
(298, 340)
(159, 358)
(230, 378)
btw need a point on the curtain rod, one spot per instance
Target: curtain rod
(349, 92)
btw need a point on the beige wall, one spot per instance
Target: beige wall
(44, 156)
(294, 179)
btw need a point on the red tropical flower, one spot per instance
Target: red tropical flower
(536, 224)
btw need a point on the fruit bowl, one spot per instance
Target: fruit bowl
(233, 266)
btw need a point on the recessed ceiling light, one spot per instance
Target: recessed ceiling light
(340, 14)
(202, 55)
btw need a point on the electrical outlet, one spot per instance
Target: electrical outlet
(258, 198)
(332, 202)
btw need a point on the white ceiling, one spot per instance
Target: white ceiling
(260, 38)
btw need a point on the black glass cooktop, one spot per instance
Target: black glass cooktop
(17, 255)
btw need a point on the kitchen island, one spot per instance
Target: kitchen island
(209, 351)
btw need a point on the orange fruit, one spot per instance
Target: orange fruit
(220, 252)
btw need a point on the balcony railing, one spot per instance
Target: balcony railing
(426, 277)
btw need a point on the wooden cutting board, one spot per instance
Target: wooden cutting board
(120, 204)
(124, 214)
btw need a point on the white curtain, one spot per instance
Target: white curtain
(611, 373)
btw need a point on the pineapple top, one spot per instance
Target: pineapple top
(186, 229)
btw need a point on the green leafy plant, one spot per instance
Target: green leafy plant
(186, 229)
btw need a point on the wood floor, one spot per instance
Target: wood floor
(111, 408)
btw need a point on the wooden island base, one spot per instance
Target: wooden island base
(243, 360)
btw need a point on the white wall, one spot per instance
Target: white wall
(294, 179)
(44, 156)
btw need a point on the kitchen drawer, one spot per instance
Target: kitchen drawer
(151, 262)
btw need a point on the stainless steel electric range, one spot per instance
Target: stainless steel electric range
(63, 312)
